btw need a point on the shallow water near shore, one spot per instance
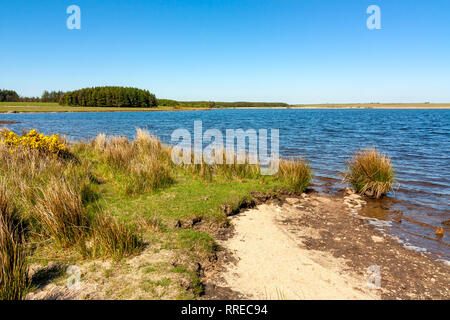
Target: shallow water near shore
(416, 140)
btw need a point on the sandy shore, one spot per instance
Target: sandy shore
(273, 265)
(317, 247)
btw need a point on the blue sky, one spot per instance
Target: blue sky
(299, 51)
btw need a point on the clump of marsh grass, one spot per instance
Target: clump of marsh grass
(240, 168)
(204, 170)
(14, 279)
(56, 195)
(148, 174)
(29, 163)
(147, 143)
(143, 163)
(119, 152)
(100, 142)
(370, 173)
(61, 212)
(31, 175)
(7, 209)
(296, 173)
(113, 239)
(220, 166)
(25, 171)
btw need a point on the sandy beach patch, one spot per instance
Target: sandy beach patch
(318, 248)
(273, 265)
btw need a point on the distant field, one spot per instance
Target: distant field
(31, 104)
(54, 107)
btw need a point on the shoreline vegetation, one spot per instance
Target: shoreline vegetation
(116, 202)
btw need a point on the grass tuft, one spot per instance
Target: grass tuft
(147, 174)
(113, 239)
(370, 173)
(297, 174)
(144, 163)
(61, 212)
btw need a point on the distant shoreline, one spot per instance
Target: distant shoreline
(5, 109)
(349, 106)
(46, 109)
(360, 106)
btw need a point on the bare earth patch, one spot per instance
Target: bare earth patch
(315, 247)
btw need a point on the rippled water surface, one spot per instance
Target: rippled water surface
(418, 141)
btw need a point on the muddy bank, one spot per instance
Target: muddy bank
(8, 122)
(318, 247)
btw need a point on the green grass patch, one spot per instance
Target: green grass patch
(29, 104)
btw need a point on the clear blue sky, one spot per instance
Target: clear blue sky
(297, 51)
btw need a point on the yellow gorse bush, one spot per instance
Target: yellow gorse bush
(32, 140)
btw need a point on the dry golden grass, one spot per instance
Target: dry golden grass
(113, 239)
(370, 173)
(118, 151)
(297, 173)
(14, 280)
(25, 172)
(52, 191)
(148, 174)
(100, 142)
(61, 212)
(144, 162)
(147, 143)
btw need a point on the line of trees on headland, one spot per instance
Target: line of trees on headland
(52, 96)
(90, 97)
(9, 96)
(109, 97)
(124, 97)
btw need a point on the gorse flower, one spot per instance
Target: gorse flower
(32, 140)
